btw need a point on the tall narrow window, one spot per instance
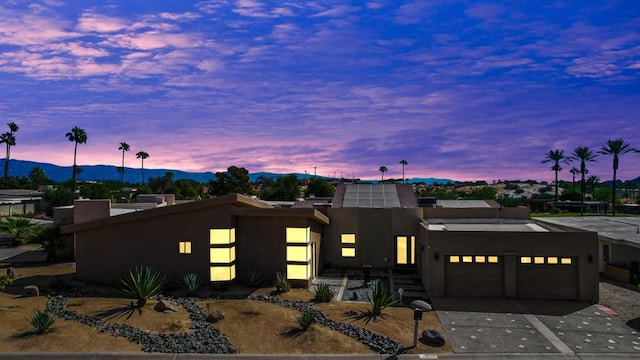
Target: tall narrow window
(405, 250)
(184, 247)
(348, 242)
(222, 254)
(298, 253)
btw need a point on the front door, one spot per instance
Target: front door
(405, 251)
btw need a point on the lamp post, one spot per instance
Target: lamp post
(418, 307)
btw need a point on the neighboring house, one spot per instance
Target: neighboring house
(457, 248)
(19, 202)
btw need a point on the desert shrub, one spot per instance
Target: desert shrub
(142, 284)
(281, 284)
(42, 320)
(191, 283)
(324, 293)
(254, 278)
(380, 297)
(305, 319)
(4, 281)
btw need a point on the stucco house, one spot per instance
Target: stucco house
(454, 249)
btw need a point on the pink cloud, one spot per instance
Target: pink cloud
(91, 22)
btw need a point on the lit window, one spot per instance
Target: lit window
(348, 252)
(184, 247)
(538, 260)
(565, 261)
(467, 259)
(552, 260)
(493, 259)
(480, 259)
(298, 235)
(223, 273)
(223, 255)
(348, 238)
(222, 236)
(525, 260)
(299, 253)
(454, 259)
(298, 272)
(401, 250)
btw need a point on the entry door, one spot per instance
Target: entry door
(405, 251)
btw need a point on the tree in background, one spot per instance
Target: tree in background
(319, 187)
(615, 148)
(38, 177)
(285, 188)
(142, 155)
(584, 154)
(574, 171)
(556, 156)
(593, 181)
(162, 184)
(124, 147)
(403, 163)
(383, 169)
(61, 196)
(77, 136)
(482, 193)
(233, 181)
(9, 138)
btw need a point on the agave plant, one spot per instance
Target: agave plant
(324, 293)
(380, 298)
(191, 283)
(281, 283)
(305, 319)
(4, 281)
(42, 320)
(142, 284)
(254, 278)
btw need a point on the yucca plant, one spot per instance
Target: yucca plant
(42, 320)
(191, 283)
(324, 293)
(305, 319)
(254, 278)
(142, 284)
(380, 297)
(281, 283)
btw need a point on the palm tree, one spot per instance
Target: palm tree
(557, 157)
(10, 139)
(593, 181)
(403, 163)
(142, 155)
(77, 136)
(383, 169)
(124, 147)
(574, 171)
(20, 227)
(37, 176)
(616, 148)
(584, 154)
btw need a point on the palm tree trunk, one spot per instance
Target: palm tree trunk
(122, 172)
(75, 152)
(582, 190)
(613, 197)
(556, 188)
(6, 163)
(142, 171)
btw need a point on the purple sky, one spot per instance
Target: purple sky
(460, 89)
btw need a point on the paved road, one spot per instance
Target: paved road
(6, 253)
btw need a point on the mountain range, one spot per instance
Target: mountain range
(133, 175)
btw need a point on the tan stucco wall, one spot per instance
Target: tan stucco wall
(567, 244)
(88, 210)
(375, 231)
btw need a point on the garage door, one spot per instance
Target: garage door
(476, 275)
(547, 277)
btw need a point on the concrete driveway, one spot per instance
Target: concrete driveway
(511, 326)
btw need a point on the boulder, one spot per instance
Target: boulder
(30, 290)
(165, 306)
(432, 338)
(214, 317)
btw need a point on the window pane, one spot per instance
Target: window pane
(525, 260)
(297, 253)
(565, 261)
(552, 260)
(222, 255)
(297, 235)
(348, 238)
(454, 259)
(413, 250)
(401, 250)
(348, 252)
(480, 259)
(221, 236)
(493, 259)
(187, 247)
(467, 259)
(297, 272)
(223, 273)
(538, 260)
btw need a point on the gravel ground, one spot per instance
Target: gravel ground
(356, 290)
(624, 301)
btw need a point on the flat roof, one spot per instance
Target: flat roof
(624, 230)
(462, 204)
(524, 227)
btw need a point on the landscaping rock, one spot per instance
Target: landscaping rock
(165, 306)
(432, 338)
(30, 290)
(215, 316)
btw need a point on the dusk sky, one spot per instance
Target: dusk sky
(465, 90)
